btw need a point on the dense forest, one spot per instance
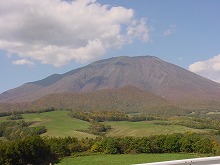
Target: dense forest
(37, 150)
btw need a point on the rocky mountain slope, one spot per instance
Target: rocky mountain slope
(150, 74)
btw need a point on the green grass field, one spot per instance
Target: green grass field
(122, 159)
(59, 124)
(146, 128)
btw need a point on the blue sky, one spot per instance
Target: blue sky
(40, 38)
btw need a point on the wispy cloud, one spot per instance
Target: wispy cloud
(23, 62)
(57, 32)
(171, 29)
(208, 68)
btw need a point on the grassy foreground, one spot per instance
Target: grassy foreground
(123, 159)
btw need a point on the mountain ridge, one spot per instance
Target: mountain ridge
(148, 73)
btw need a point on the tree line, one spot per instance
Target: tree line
(17, 113)
(196, 123)
(101, 116)
(38, 150)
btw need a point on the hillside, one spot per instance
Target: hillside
(151, 74)
(128, 99)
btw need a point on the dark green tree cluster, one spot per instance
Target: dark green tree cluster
(30, 150)
(100, 116)
(174, 143)
(14, 117)
(13, 130)
(97, 128)
(35, 150)
(61, 147)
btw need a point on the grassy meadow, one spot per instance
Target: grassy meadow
(60, 124)
(124, 159)
(146, 128)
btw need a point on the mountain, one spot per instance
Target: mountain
(127, 99)
(151, 74)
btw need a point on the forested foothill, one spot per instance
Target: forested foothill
(21, 143)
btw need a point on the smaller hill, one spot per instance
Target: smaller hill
(127, 99)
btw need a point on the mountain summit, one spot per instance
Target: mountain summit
(147, 73)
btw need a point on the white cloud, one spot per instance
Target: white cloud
(56, 31)
(198, 67)
(170, 30)
(22, 62)
(209, 68)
